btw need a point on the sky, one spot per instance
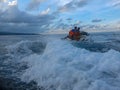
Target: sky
(37, 16)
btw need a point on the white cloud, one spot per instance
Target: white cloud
(72, 5)
(114, 3)
(8, 2)
(12, 3)
(5, 4)
(63, 2)
(45, 12)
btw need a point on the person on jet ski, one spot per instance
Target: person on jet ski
(74, 34)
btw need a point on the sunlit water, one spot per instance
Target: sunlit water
(46, 62)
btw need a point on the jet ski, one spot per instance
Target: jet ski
(84, 37)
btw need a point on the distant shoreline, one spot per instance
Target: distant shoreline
(5, 33)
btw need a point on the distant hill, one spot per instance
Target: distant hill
(10, 33)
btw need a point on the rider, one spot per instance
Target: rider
(74, 34)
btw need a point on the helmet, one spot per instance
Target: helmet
(75, 27)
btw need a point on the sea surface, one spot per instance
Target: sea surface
(47, 62)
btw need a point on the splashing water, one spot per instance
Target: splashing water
(61, 65)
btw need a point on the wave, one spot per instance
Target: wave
(24, 48)
(63, 66)
(10, 56)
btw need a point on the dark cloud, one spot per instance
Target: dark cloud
(74, 4)
(34, 4)
(69, 19)
(97, 20)
(15, 20)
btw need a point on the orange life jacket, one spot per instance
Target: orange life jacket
(71, 33)
(75, 35)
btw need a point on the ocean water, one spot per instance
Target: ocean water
(45, 62)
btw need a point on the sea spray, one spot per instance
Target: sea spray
(65, 67)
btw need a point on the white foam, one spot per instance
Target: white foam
(65, 67)
(25, 48)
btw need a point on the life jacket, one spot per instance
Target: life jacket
(74, 35)
(71, 33)
(77, 35)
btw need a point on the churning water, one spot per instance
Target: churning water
(37, 62)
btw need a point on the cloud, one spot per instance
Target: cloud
(69, 19)
(95, 28)
(14, 15)
(114, 3)
(118, 22)
(101, 27)
(4, 4)
(8, 2)
(77, 23)
(34, 4)
(3, 1)
(63, 2)
(74, 4)
(14, 19)
(45, 12)
(97, 20)
(12, 3)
